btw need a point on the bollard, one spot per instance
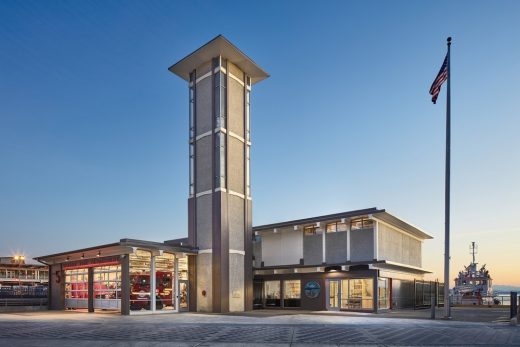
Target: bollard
(432, 314)
(513, 305)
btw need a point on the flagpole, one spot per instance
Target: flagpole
(447, 308)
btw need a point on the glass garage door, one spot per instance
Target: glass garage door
(76, 288)
(107, 287)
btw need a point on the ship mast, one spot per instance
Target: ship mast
(473, 249)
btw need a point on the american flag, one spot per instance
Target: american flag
(439, 80)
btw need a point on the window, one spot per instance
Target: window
(357, 294)
(310, 230)
(164, 282)
(335, 227)
(331, 227)
(192, 135)
(361, 223)
(220, 96)
(248, 171)
(248, 115)
(272, 293)
(291, 293)
(140, 267)
(382, 291)
(220, 160)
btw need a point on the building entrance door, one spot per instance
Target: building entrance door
(183, 295)
(334, 295)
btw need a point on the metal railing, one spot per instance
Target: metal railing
(4, 302)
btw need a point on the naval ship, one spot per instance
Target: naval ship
(473, 285)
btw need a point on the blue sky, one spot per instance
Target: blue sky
(93, 128)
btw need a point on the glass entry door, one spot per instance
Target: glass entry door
(334, 295)
(183, 295)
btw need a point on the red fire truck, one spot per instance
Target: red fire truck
(140, 291)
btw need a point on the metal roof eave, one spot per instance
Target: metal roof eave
(310, 220)
(124, 246)
(402, 224)
(218, 46)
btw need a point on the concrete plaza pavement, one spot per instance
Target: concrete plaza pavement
(252, 329)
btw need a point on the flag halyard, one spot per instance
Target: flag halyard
(439, 80)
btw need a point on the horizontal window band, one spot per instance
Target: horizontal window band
(205, 251)
(219, 68)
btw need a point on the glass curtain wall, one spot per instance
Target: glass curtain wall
(357, 294)
(140, 267)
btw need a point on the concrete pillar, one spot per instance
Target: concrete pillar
(220, 78)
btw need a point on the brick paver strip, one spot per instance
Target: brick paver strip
(312, 334)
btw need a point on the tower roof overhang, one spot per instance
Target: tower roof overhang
(219, 46)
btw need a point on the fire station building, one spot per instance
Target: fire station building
(365, 260)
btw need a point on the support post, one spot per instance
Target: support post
(125, 285)
(90, 289)
(176, 282)
(152, 284)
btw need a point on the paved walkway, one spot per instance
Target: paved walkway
(189, 329)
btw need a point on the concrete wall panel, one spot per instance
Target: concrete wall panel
(362, 245)
(336, 247)
(235, 70)
(399, 247)
(236, 222)
(312, 250)
(204, 106)
(236, 165)
(271, 248)
(204, 172)
(236, 282)
(291, 246)
(236, 107)
(204, 222)
(204, 282)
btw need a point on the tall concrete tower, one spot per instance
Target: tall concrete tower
(220, 77)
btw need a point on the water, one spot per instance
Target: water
(505, 299)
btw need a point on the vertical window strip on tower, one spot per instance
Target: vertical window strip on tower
(220, 122)
(192, 134)
(248, 135)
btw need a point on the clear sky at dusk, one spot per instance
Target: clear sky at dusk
(94, 129)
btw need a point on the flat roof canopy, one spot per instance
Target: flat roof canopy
(219, 46)
(124, 246)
